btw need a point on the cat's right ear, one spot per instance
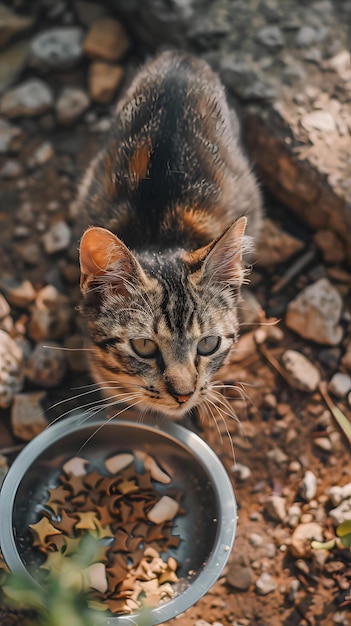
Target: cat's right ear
(102, 254)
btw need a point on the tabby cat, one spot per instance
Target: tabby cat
(167, 202)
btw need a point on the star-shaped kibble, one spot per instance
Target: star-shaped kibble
(42, 530)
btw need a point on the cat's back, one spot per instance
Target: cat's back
(173, 172)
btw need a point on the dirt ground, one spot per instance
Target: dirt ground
(279, 434)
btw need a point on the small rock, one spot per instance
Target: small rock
(57, 48)
(12, 24)
(8, 134)
(256, 540)
(342, 512)
(265, 584)
(269, 401)
(71, 104)
(294, 515)
(304, 375)
(32, 97)
(270, 36)
(27, 417)
(51, 316)
(306, 36)
(323, 443)
(337, 493)
(31, 253)
(293, 590)
(106, 40)
(104, 80)
(57, 238)
(301, 538)
(11, 375)
(242, 471)
(340, 384)
(278, 455)
(11, 169)
(308, 488)
(319, 120)
(18, 294)
(275, 246)
(43, 154)
(46, 366)
(275, 508)
(315, 313)
(330, 245)
(240, 577)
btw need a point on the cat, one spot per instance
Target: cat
(162, 260)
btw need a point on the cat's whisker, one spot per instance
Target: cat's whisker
(81, 395)
(208, 402)
(220, 412)
(68, 349)
(223, 401)
(106, 422)
(104, 402)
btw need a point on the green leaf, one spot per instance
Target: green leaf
(320, 545)
(344, 528)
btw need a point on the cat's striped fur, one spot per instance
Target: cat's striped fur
(175, 187)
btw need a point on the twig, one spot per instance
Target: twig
(293, 270)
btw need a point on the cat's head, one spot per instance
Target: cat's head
(161, 324)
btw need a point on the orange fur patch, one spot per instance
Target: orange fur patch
(139, 162)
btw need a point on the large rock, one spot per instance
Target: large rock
(106, 40)
(57, 48)
(32, 97)
(315, 313)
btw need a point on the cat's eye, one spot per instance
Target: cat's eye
(208, 345)
(146, 348)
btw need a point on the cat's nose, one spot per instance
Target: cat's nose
(182, 398)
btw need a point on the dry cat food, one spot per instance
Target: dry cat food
(129, 510)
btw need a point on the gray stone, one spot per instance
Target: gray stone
(342, 512)
(243, 472)
(240, 577)
(31, 253)
(309, 485)
(46, 366)
(340, 384)
(43, 153)
(11, 375)
(319, 120)
(265, 584)
(30, 98)
(270, 36)
(57, 238)
(315, 313)
(275, 508)
(11, 169)
(306, 36)
(304, 375)
(27, 416)
(71, 104)
(19, 294)
(301, 538)
(57, 48)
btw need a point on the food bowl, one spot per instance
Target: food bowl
(206, 529)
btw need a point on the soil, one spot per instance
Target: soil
(278, 429)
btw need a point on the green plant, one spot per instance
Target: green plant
(340, 541)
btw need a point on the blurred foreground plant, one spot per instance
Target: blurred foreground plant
(340, 541)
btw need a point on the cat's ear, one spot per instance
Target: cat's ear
(103, 254)
(222, 259)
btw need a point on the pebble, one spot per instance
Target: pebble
(57, 48)
(330, 245)
(275, 246)
(243, 472)
(104, 80)
(275, 508)
(304, 375)
(27, 417)
(340, 384)
(240, 577)
(11, 169)
(106, 39)
(270, 36)
(308, 487)
(337, 493)
(323, 443)
(300, 541)
(42, 154)
(306, 36)
(319, 120)
(278, 455)
(294, 515)
(57, 238)
(30, 98)
(71, 104)
(256, 540)
(11, 374)
(341, 512)
(19, 294)
(294, 590)
(265, 584)
(46, 366)
(51, 316)
(12, 24)
(315, 313)
(31, 253)
(8, 134)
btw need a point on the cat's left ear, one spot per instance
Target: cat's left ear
(102, 253)
(222, 259)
